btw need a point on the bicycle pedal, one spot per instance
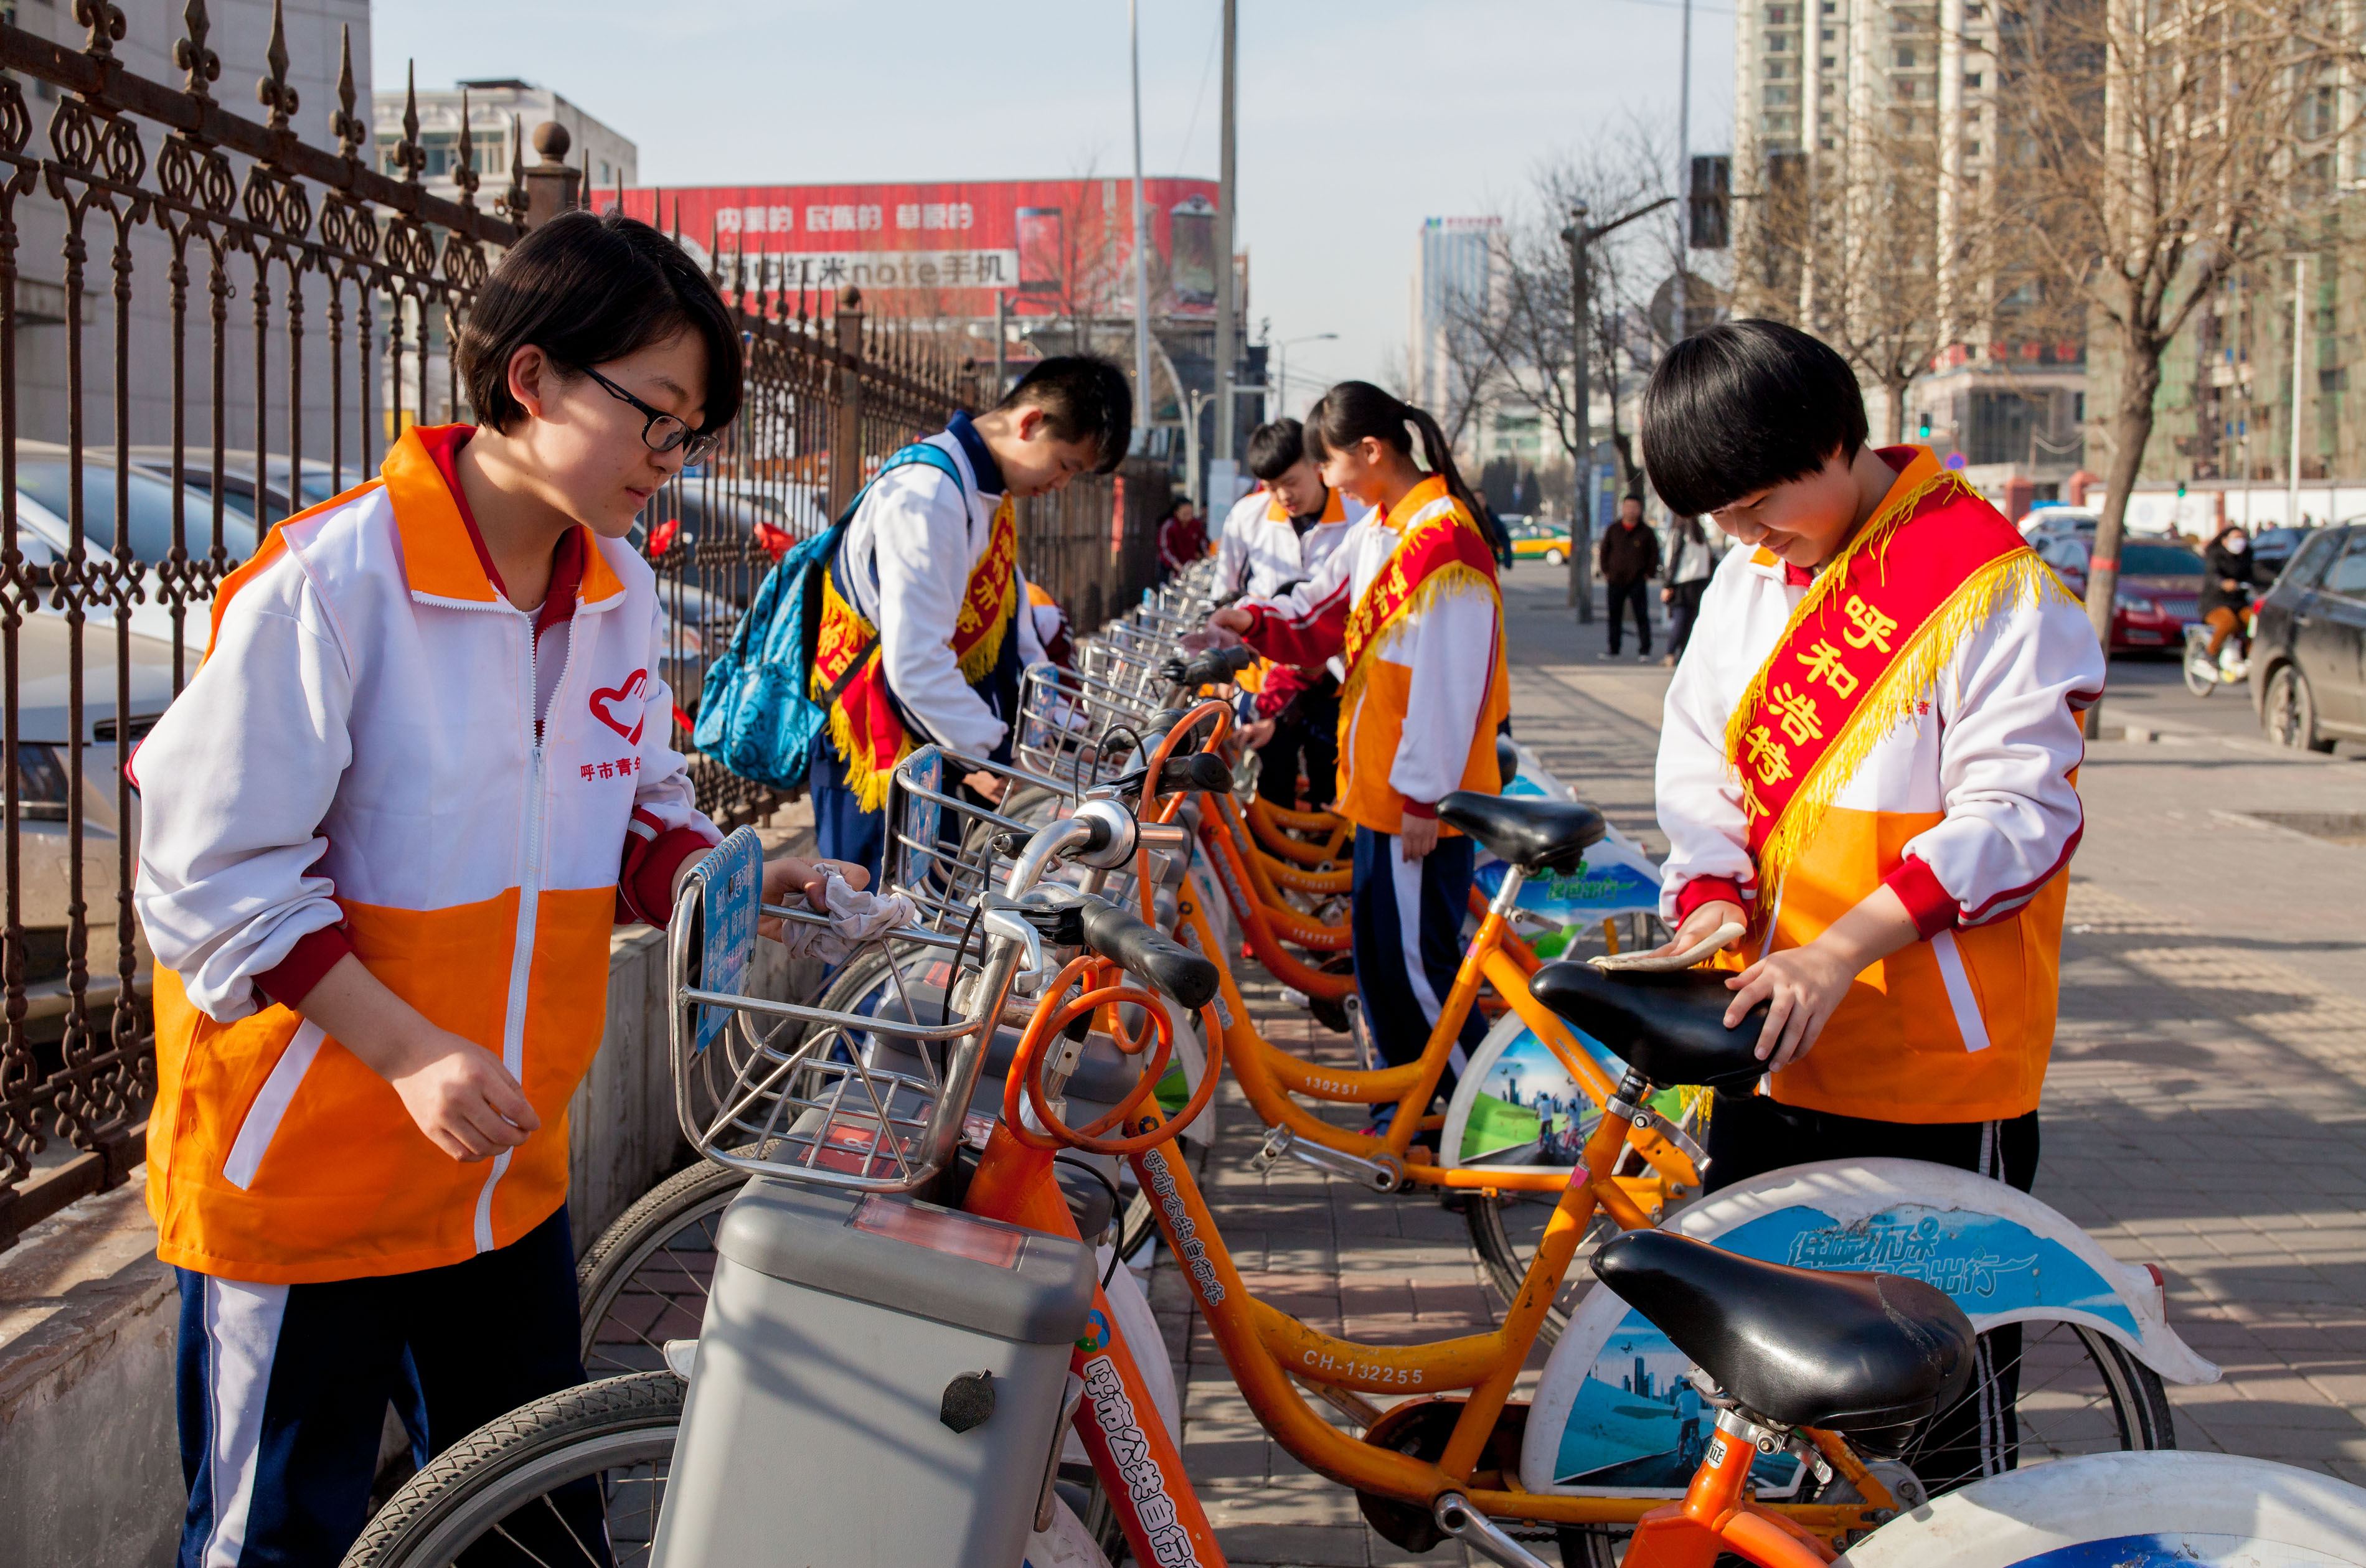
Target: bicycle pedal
(1268, 1155)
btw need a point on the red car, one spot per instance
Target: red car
(2159, 591)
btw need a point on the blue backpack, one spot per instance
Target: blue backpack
(755, 713)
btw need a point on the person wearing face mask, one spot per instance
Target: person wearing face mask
(2228, 575)
(425, 768)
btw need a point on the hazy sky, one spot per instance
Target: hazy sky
(1355, 121)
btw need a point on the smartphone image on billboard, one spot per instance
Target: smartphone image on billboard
(1042, 255)
(1191, 252)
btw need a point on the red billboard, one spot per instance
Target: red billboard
(1051, 246)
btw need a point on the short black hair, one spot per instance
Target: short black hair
(586, 290)
(1083, 398)
(1743, 406)
(1275, 449)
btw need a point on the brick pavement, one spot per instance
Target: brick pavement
(2204, 1111)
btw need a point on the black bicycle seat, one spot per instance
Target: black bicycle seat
(1873, 1355)
(1532, 832)
(1668, 1028)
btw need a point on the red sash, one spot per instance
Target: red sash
(1439, 550)
(847, 678)
(1863, 651)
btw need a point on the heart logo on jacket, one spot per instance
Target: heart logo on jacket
(630, 688)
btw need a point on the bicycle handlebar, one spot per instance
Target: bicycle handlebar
(1215, 665)
(1147, 954)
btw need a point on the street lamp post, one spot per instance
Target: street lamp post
(1578, 236)
(1281, 366)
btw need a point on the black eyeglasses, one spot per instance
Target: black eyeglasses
(664, 432)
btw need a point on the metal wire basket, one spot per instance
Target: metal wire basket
(780, 1088)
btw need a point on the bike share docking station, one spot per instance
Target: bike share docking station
(931, 1342)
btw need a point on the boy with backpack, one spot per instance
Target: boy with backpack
(922, 631)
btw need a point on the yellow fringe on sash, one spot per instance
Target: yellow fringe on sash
(1448, 580)
(978, 663)
(2010, 582)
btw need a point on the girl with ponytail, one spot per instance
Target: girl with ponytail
(1409, 608)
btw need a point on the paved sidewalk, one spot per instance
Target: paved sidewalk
(2204, 1109)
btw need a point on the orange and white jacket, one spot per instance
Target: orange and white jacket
(1423, 723)
(358, 763)
(1969, 809)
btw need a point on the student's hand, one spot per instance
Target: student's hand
(1416, 837)
(461, 1096)
(1230, 624)
(1700, 926)
(993, 786)
(791, 875)
(1259, 735)
(1667, 596)
(458, 1093)
(1803, 986)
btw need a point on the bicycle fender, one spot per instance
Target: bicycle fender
(2142, 1510)
(2004, 1257)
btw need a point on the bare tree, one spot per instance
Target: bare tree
(1524, 332)
(2151, 148)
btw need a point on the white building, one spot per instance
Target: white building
(607, 157)
(1452, 273)
(1816, 84)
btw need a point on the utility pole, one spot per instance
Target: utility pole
(1227, 307)
(1001, 337)
(1141, 247)
(2299, 358)
(1679, 310)
(1580, 239)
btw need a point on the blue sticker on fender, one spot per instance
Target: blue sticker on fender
(2173, 1549)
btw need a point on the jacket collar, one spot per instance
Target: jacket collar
(441, 563)
(1421, 497)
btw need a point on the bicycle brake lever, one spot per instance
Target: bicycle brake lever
(1010, 926)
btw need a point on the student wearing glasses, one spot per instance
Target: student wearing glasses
(425, 768)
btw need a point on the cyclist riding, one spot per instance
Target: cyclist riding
(2229, 573)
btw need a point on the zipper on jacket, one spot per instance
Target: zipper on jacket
(529, 894)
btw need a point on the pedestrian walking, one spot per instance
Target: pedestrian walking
(1691, 563)
(1628, 559)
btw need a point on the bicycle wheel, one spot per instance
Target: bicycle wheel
(644, 1281)
(2062, 1391)
(576, 1477)
(2201, 670)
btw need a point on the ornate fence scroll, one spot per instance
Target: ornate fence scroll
(241, 320)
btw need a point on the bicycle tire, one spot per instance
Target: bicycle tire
(2202, 679)
(2139, 1413)
(645, 1280)
(473, 1489)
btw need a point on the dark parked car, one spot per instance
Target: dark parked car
(2308, 654)
(2271, 547)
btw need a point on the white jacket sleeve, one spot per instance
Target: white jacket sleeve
(1451, 649)
(1232, 558)
(920, 528)
(663, 797)
(1698, 796)
(1031, 636)
(2010, 739)
(234, 781)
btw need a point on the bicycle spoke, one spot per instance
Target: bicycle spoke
(588, 1555)
(500, 1527)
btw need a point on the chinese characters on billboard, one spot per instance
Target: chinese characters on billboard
(1049, 247)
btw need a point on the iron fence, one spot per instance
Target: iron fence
(244, 319)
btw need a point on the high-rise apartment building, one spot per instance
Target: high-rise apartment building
(1853, 118)
(1451, 279)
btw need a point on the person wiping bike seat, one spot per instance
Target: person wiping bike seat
(1873, 767)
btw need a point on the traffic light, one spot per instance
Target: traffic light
(1926, 425)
